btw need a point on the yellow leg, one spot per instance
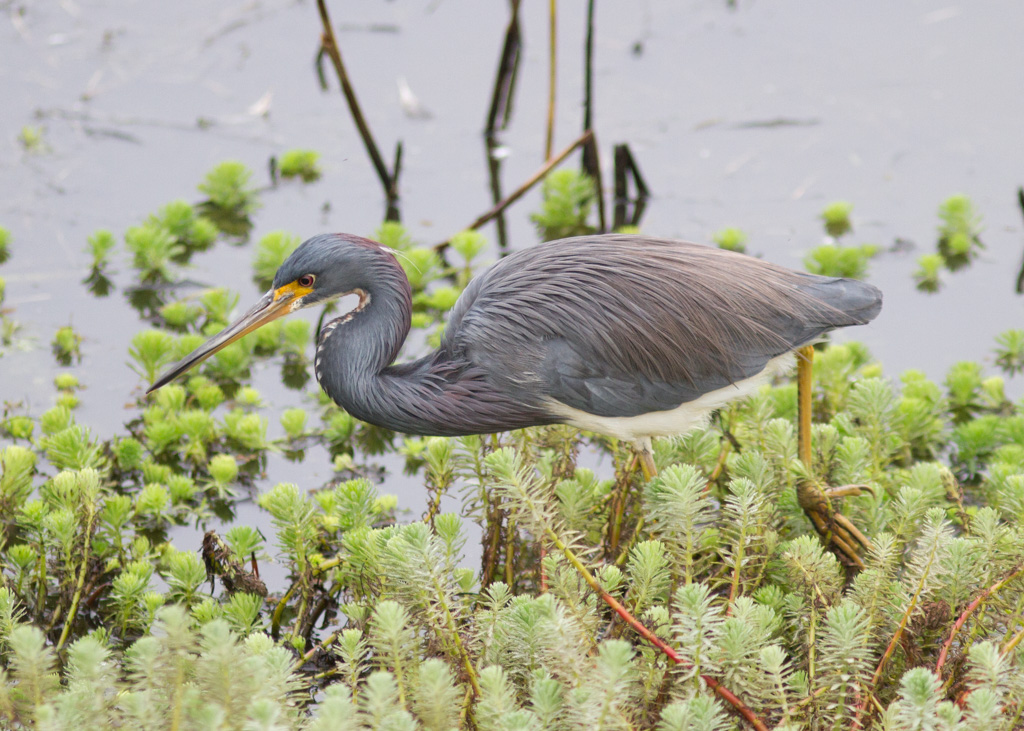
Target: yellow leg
(813, 497)
(645, 454)
(804, 391)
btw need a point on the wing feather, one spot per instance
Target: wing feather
(624, 325)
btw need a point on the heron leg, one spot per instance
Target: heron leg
(645, 455)
(814, 498)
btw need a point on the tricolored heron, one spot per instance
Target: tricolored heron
(630, 336)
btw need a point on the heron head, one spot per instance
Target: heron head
(321, 269)
(324, 268)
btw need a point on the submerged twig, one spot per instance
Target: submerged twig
(552, 75)
(504, 82)
(1020, 275)
(522, 189)
(588, 69)
(624, 169)
(329, 46)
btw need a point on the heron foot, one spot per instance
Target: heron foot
(833, 526)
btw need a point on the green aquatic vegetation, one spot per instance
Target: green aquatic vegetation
(393, 235)
(293, 421)
(468, 244)
(959, 232)
(227, 187)
(151, 351)
(928, 273)
(33, 139)
(180, 315)
(836, 216)
(154, 249)
(66, 345)
(442, 298)
(5, 245)
(218, 303)
(189, 229)
(831, 260)
(271, 251)
(1009, 352)
(731, 239)
(18, 427)
(567, 197)
(421, 266)
(300, 163)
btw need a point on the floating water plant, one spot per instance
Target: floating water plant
(301, 164)
(1010, 351)
(154, 249)
(33, 139)
(840, 261)
(67, 345)
(928, 273)
(469, 244)
(151, 350)
(959, 232)
(5, 245)
(730, 238)
(567, 199)
(836, 216)
(271, 251)
(99, 245)
(185, 226)
(227, 188)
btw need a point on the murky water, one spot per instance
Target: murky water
(754, 117)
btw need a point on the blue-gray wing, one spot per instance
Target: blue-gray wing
(625, 325)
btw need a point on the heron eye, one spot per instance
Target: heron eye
(306, 280)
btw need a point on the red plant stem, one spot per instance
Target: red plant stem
(978, 601)
(726, 695)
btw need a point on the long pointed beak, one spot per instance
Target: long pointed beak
(272, 305)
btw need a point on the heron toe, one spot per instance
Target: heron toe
(833, 526)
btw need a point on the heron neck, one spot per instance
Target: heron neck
(356, 350)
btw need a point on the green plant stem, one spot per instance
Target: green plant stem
(41, 594)
(77, 598)
(275, 618)
(309, 655)
(510, 547)
(302, 612)
(648, 635)
(467, 663)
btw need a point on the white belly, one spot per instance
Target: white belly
(675, 421)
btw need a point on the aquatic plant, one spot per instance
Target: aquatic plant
(927, 274)
(226, 186)
(567, 198)
(959, 231)
(300, 163)
(730, 238)
(99, 244)
(840, 261)
(836, 217)
(66, 345)
(271, 251)
(5, 245)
